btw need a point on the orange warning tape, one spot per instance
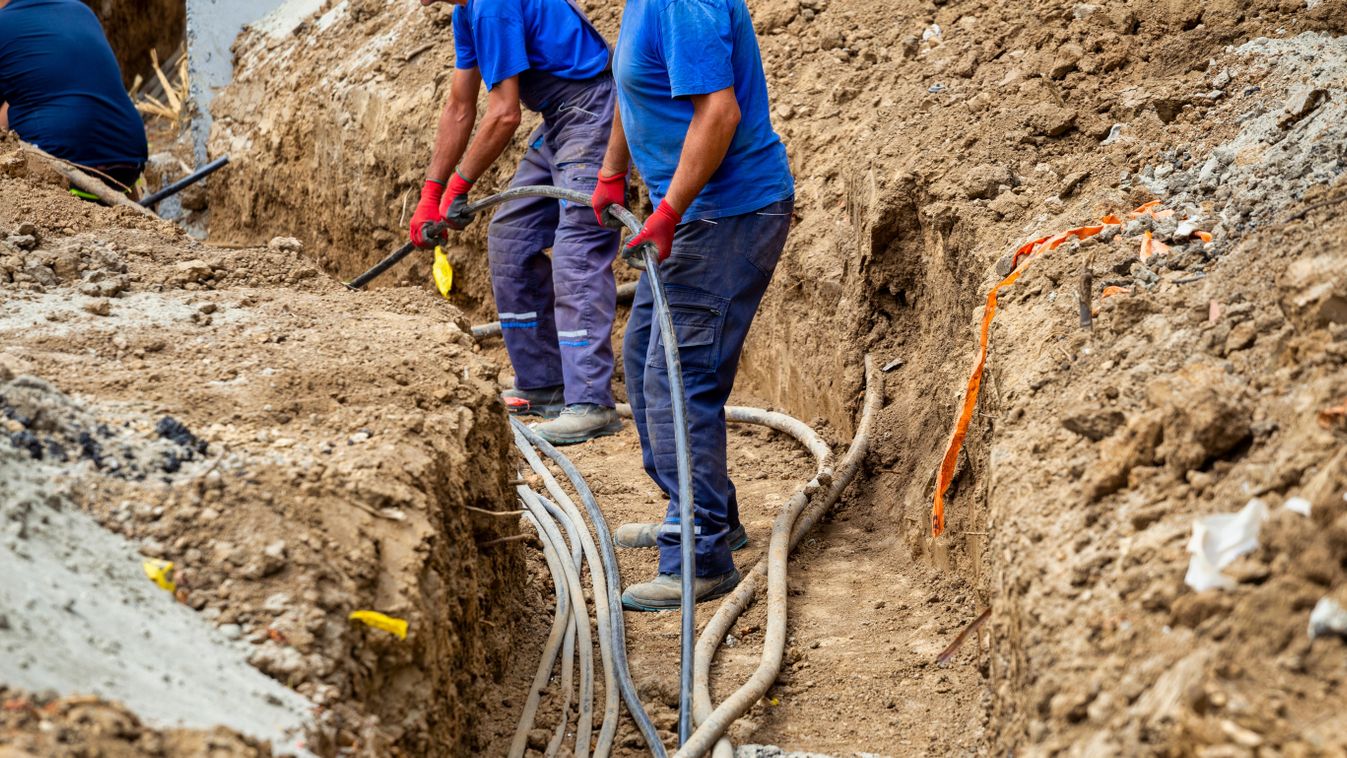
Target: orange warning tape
(970, 399)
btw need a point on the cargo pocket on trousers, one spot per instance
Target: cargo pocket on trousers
(699, 320)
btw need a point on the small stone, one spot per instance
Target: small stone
(1302, 103)
(99, 306)
(1094, 425)
(286, 244)
(22, 241)
(275, 550)
(1071, 182)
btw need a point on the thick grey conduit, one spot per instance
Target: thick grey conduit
(614, 580)
(582, 541)
(648, 261)
(795, 521)
(586, 723)
(563, 619)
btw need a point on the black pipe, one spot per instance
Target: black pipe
(431, 231)
(185, 182)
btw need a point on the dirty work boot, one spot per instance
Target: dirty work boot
(647, 535)
(579, 422)
(546, 401)
(665, 591)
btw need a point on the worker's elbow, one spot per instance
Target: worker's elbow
(506, 119)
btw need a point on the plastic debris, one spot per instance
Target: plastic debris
(1218, 540)
(444, 272)
(376, 620)
(1328, 617)
(1297, 505)
(161, 573)
(932, 32)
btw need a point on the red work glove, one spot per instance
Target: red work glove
(658, 230)
(427, 211)
(454, 204)
(611, 190)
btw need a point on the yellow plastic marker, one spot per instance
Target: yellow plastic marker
(379, 621)
(161, 573)
(444, 272)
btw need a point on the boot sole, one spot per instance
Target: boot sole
(527, 409)
(716, 594)
(561, 440)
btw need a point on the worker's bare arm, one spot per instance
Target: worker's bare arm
(498, 126)
(456, 121)
(715, 118)
(4, 111)
(617, 160)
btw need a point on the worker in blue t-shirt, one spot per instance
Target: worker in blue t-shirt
(61, 89)
(693, 115)
(556, 313)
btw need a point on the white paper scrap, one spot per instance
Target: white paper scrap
(1297, 505)
(1218, 540)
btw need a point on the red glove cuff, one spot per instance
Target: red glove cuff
(432, 190)
(458, 185)
(667, 211)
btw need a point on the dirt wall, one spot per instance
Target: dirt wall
(134, 27)
(332, 443)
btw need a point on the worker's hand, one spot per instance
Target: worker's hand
(427, 212)
(658, 230)
(454, 204)
(611, 190)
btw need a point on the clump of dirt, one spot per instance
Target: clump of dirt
(71, 726)
(298, 451)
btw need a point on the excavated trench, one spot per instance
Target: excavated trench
(890, 256)
(898, 279)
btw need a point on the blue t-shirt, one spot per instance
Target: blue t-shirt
(504, 38)
(63, 86)
(671, 49)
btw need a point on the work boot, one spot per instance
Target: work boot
(545, 401)
(579, 422)
(665, 591)
(647, 535)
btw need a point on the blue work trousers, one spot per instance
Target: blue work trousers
(556, 313)
(715, 278)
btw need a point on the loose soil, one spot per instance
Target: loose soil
(928, 141)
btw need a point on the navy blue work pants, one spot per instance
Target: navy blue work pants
(715, 278)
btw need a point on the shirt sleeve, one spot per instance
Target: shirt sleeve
(465, 49)
(698, 46)
(502, 51)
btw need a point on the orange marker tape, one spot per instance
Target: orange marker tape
(970, 398)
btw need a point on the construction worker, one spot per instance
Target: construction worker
(693, 115)
(556, 314)
(61, 89)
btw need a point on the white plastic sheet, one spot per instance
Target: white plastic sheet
(1218, 540)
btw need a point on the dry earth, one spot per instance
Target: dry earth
(929, 140)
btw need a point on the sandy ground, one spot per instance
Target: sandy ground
(928, 140)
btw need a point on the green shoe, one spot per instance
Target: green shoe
(578, 423)
(647, 535)
(665, 592)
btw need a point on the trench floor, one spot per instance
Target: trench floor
(867, 620)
